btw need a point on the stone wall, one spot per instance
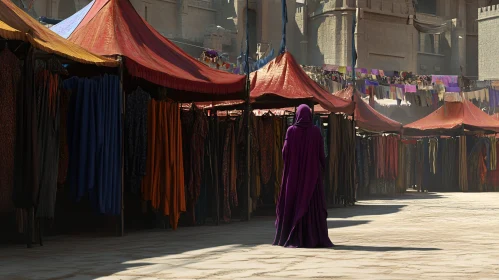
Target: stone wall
(488, 41)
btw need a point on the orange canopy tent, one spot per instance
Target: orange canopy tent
(113, 28)
(453, 118)
(366, 117)
(282, 83)
(15, 24)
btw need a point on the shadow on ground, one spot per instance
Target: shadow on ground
(343, 224)
(364, 210)
(75, 258)
(409, 195)
(380, 249)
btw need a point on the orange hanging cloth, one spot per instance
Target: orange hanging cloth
(163, 183)
(176, 164)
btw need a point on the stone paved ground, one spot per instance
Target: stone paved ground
(416, 236)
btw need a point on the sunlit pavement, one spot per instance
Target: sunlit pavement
(415, 236)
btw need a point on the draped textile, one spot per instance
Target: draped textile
(229, 172)
(26, 169)
(136, 138)
(450, 164)
(419, 164)
(433, 155)
(266, 140)
(214, 167)
(10, 76)
(341, 162)
(163, 184)
(401, 176)
(493, 175)
(493, 153)
(319, 123)
(242, 164)
(333, 164)
(195, 132)
(95, 141)
(255, 160)
(278, 162)
(463, 165)
(477, 164)
(63, 137)
(301, 208)
(48, 93)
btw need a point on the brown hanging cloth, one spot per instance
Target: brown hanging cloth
(10, 76)
(463, 165)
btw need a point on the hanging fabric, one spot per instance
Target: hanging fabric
(48, 85)
(493, 175)
(63, 137)
(229, 172)
(195, 132)
(94, 141)
(255, 161)
(279, 134)
(136, 138)
(493, 152)
(463, 165)
(266, 140)
(10, 77)
(334, 145)
(163, 184)
(26, 170)
(450, 164)
(402, 174)
(433, 155)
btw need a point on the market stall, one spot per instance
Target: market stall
(164, 156)
(377, 148)
(282, 84)
(32, 74)
(459, 142)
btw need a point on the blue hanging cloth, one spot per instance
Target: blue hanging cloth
(261, 62)
(94, 142)
(284, 22)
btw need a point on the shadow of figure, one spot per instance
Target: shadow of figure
(364, 210)
(342, 224)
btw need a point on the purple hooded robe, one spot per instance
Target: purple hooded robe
(301, 208)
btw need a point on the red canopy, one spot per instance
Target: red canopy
(366, 117)
(283, 83)
(113, 27)
(452, 119)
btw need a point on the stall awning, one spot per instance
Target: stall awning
(113, 27)
(283, 83)
(44, 39)
(366, 117)
(453, 118)
(9, 33)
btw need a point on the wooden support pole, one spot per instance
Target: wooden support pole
(121, 229)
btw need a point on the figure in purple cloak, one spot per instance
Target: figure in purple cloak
(301, 209)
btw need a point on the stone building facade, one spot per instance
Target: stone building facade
(319, 31)
(386, 35)
(488, 51)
